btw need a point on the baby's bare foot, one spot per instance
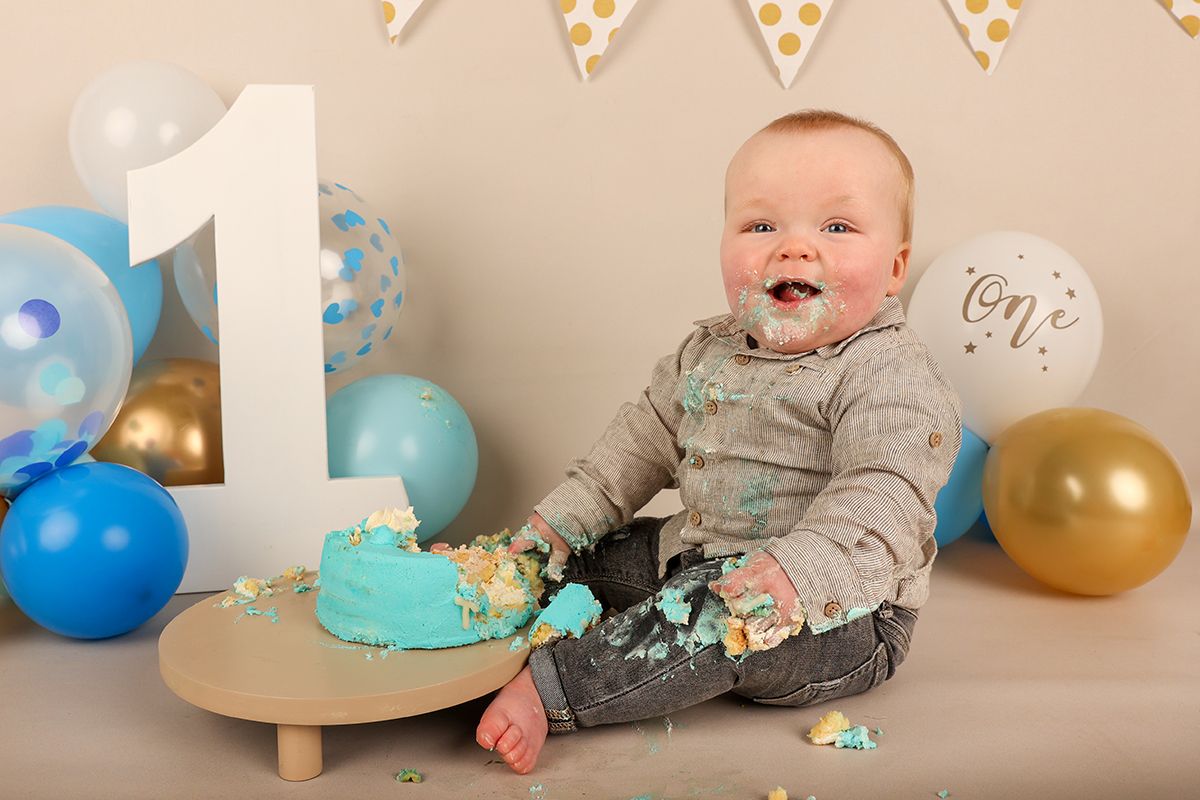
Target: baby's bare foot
(515, 724)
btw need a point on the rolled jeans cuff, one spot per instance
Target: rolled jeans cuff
(559, 715)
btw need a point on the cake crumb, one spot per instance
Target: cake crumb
(778, 793)
(830, 726)
(857, 738)
(409, 776)
(944, 793)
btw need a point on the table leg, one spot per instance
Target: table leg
(299, 752)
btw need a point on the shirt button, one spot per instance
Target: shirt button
(935, 439)
(698, 461)
(710, 406)
(694, 519)
(832, 609)
(742, 359)
(792, 369)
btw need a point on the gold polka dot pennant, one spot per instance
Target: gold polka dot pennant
(789, 28)
(591, 26)
(986, 25)
(397, 13)
(1188, 14)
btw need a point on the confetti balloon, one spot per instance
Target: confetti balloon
(362, 278)
(1015, 323)
(66, 352)
(105, 241)
(1085, 500)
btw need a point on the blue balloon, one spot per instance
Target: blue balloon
(93, 550)
(406, 426)
(960, 502)
(105, 241)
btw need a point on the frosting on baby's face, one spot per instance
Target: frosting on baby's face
(813, 237)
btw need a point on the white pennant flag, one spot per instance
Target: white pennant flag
(397, 13)
(591, 26)
(986, 27)
(1187, 12)
(789, 28)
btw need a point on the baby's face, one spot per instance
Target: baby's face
(813, 236)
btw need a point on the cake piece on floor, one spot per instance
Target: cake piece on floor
(827, 730)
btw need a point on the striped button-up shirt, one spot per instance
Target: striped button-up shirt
(829, 460)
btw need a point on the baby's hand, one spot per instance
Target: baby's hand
(538, 535)
(742, 589)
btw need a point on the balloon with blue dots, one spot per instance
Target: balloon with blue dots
(66, 351)
(362, 278)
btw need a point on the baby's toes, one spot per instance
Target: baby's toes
(511, 738)
(516, 754)
(524, 765)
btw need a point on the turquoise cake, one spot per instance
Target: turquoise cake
(379, 588)
(572, 612)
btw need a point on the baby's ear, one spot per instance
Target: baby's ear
(899, 270)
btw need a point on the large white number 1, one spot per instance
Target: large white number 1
(256, 174)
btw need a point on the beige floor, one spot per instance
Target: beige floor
(1011, 691)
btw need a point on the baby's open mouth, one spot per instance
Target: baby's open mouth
(790, 294)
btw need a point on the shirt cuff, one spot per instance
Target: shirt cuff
(574, 515)
(814, 565)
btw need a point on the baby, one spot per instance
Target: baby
(808, 433)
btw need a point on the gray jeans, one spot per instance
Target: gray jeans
(638, 664)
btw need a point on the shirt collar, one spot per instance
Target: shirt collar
(726, 326)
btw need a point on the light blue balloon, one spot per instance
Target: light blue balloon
(93, 550)
(406, 426)
(960, 502)
(105, 241)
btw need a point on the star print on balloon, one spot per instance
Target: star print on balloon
(1015, 323)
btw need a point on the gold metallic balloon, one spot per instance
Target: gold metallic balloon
(170, 424)
(1085, 500)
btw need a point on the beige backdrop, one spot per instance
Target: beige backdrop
(560, 236)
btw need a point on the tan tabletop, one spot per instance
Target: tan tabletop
(295, 674)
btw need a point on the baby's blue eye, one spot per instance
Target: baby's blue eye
(833, 225)
(761, 227)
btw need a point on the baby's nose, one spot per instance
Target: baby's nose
(796, 250)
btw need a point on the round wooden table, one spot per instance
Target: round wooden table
(295, 674)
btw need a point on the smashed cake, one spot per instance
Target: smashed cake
(378, 587)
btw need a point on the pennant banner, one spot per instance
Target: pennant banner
(397, 13)
(591, 26)
(789, 28)
(986, 27)
(1187, 12)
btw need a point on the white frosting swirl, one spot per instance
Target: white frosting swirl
(399, 521)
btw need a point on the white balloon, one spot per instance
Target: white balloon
(134, 115)
(1014, 321)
